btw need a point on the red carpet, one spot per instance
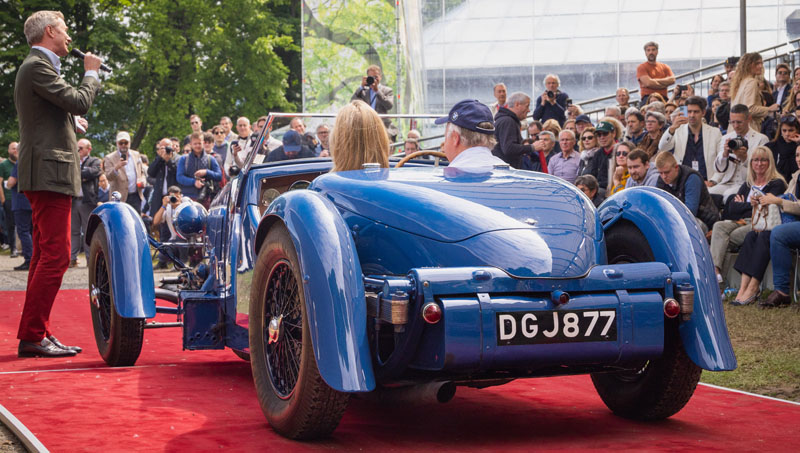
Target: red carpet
(177, 400)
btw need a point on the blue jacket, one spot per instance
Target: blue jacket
(187, 181)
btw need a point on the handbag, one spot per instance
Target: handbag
(788, 218)
(765, 218)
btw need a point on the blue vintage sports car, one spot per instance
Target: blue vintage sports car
(408, 282)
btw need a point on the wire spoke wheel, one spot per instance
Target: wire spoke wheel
(293, 396)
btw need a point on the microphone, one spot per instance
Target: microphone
(78, 54)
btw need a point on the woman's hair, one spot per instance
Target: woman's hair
(655, 97)
(743, 70)
(580, 139)
(358, 138)
(552, 126)
(789, 120)
(772, 172)
(789, 104)
(721, 79)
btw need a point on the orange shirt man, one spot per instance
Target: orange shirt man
(653, 77)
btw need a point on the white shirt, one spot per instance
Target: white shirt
(477, 156)
(130, 171)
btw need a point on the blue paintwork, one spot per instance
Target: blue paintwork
(676, 240)
(129, 250)
(334, 290)
(453, 346)
(397, 219)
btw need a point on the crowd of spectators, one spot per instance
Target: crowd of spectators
(725, 156)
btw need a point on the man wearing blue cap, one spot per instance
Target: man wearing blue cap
(468, 136)
(292, 148)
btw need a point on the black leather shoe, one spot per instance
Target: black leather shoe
(55, 341)
(774, 300)
(44, 349)
(24, 266)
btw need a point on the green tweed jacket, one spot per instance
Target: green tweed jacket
(48, 151)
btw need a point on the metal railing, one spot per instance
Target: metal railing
(700, 78)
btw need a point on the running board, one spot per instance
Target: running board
(161, 325)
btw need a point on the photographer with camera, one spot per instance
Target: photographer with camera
(733, 152)
(552, 104)
(125, 173)
(377, 96)
(163, 219)
(164, 171)
(198, 174)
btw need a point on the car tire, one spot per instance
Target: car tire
(295, 399)
(657, 388)
(119, 340)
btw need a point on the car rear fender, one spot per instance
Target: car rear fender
(334, 289)
(130, 262)
(677, 241)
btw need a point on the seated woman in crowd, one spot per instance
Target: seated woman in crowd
(358, 138)
(784, 145)
(619, 167)
(761, 177)
(656, 97)
(792, 100)
(654, 125)
(754, 255)
(587, 142)
(670, 108)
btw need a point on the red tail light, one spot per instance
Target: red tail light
(671, 308)
(431, 313)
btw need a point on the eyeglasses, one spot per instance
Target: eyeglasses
(586, 138)
(122, 142)
(788, 119)
(219, 133)
(194, 122)
(601, 133)
(783, 72)
(760, 159)
(622, 153)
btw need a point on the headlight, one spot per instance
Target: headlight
(189, 219)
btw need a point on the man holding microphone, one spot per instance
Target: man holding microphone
(49, 173)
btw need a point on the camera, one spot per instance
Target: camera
(550, 94)
(736, 143)
(173, 199)
(168, 149)
(370, 80)
(569, 102)
(123, 156)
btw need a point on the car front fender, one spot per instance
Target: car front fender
(677, 241)
(334, 289)
(130, 264)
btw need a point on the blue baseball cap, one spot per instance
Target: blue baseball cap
(468, 114)
(292, 142)
(583, 119)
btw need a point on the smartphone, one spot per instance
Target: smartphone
(757, 192)
(684, 110)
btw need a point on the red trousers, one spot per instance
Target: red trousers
(50, 260)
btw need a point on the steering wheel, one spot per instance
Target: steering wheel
(403, 161)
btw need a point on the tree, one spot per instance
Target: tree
(170, 59)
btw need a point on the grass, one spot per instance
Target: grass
(767, 347)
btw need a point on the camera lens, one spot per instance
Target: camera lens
(168, 149)
(173, 199)
(550, 94)
(370, 80)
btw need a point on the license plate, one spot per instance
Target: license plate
(557, 326)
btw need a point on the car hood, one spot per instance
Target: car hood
(544, 215)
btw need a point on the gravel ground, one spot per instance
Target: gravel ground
(9, 443)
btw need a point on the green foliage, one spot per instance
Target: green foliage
(342, 39)
(170, 59)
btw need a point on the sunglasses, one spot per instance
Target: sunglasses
(783, 73)
(622, 153)
(586, 138)
(788, 119)
(219, 133)
(601, 134)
